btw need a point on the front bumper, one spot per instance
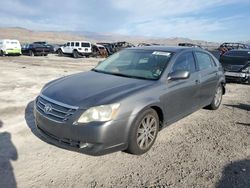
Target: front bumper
(237, 74)
(93, 138)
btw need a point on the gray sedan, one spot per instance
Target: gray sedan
(123, 102)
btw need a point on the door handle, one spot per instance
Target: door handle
(197, 81)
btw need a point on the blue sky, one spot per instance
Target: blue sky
(211, 20)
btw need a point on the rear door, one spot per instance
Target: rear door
(208, 77)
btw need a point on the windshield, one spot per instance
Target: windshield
(136, 63)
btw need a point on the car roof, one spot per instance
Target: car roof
(174, 49)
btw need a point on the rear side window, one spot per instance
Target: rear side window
(77, 44)
(72, 44)
(204, 61)
(185, 62)
(85, 44)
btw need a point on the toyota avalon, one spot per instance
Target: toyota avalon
(122, 103)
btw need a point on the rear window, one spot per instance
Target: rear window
(85, 44)
(13, 42)
(204, 60)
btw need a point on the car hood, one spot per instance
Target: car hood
(92, 88)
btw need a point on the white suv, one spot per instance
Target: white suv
(76, 49)
(9, 47)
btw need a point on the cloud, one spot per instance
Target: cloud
(162, 18)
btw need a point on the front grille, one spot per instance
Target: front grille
(54, 110)
(236, 68)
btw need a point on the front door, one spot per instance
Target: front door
(182, 95)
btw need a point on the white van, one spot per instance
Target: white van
(76, 49)
(10, 47)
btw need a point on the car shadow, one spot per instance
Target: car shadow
(240, 106)
(244, 124)
(236, 175)
(8, 153)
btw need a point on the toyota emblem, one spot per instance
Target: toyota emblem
(47, 108)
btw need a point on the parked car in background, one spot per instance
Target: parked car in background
(99, 51)
(52, 47)
(35, 50)
(124, 101)
(122, 45)
(236, 64)
(189, 45)
(227, 46)
(109, 47)
(10, 47)
(76, 49)
(147, 44)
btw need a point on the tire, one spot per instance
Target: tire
(60, 53)
(215, 104)
(75, 54)
(1, 53)
(248, 80)
(143, 132)
(31, 53)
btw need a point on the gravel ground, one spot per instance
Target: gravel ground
(205, 149)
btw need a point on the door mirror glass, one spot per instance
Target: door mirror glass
(178, 75)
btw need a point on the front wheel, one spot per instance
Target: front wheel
(217, 98)
(60, 53)
(143, 132)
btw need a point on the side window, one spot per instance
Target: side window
(213, 61)
(185, 62)
(72, 44)
(68, 44)
(77, 44)
(204, 60)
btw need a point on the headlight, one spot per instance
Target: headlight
(99, 113)
(246, 69)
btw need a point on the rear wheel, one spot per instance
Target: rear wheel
(143, 132)
(75, 54)
(31, 53)
(1, 53)
(217, 98)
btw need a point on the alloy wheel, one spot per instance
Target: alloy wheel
(146, 132)
(218, 96)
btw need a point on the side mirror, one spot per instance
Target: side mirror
(178, 75)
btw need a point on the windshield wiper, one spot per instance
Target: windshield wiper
(122, 75)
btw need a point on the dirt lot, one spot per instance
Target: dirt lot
(206, 149)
